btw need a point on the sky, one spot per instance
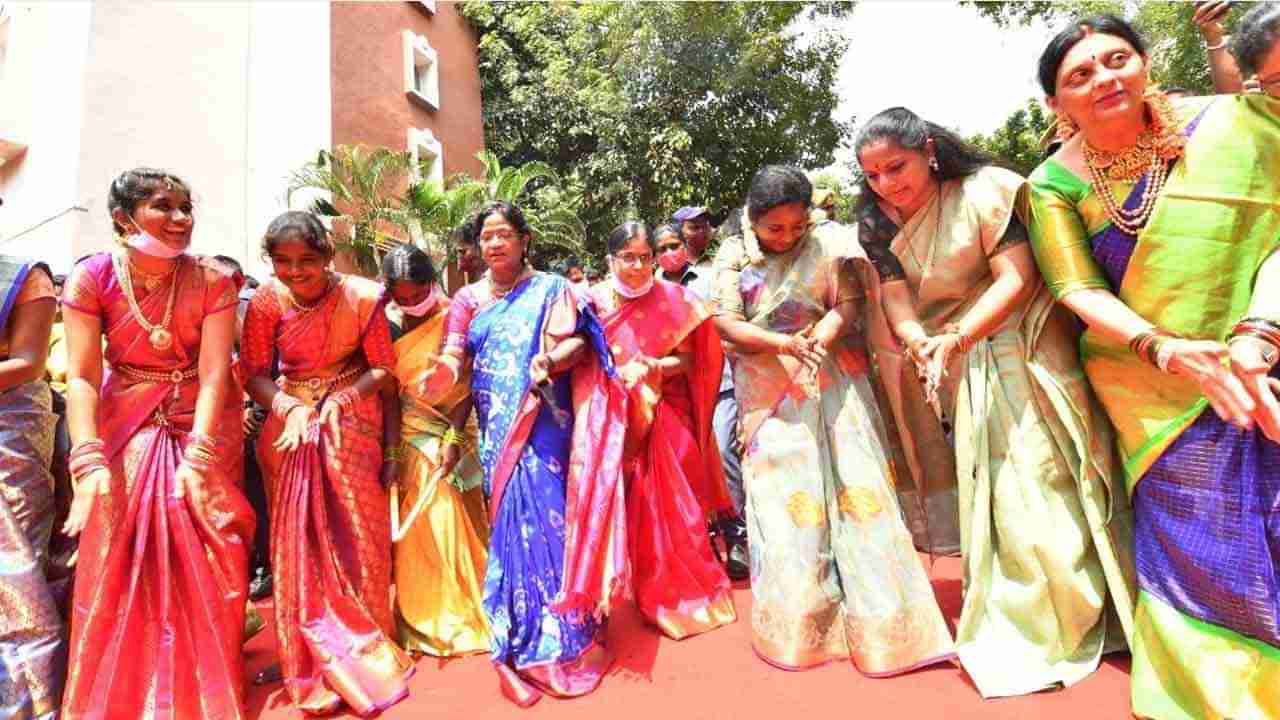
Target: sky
(939, 59)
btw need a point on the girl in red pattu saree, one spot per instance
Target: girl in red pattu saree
(160, 588)
(321, 450)
(669, 356)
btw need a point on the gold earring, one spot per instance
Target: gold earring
(1066, 128)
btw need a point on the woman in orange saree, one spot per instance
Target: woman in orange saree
(321, 453)
(441, 544)
(668, 355)
(158, 608)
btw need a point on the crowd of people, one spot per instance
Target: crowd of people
(1069, 378)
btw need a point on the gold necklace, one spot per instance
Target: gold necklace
(150, 281)
(911, 249)
(1128, 165)
(304, 309)
(500, 291)
(158, 335)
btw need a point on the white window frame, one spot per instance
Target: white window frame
(418, 53)
(423, 140)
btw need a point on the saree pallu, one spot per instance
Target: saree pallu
(552, 474)
(1044, 526)
(834, 573)
(1206, 645)
(440, 561)
(32, 653)
(330, 529)
(675, 482)
(161, 583)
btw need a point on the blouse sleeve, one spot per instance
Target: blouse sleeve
(258, 338)
(220, 291)
(376, 344)
(1060, 241)
(38, 285)
(562, 319)
(81, 291)
(726, 295)
(1014, 235)
(461, 309)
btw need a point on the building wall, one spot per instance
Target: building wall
(41, 96)
(231, 96)
(370, 105)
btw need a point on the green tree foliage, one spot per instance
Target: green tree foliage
(1174, 43)
(1174, 46)
(359, 186)
(1017, 143)
(646, 106)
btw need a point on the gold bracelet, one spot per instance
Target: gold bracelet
(451, 437)
(393, 454)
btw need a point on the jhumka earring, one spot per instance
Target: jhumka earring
(933, 163)
(1066, 128)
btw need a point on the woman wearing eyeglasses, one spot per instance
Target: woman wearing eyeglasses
(834, 573)
(551, 419)
(669, 358)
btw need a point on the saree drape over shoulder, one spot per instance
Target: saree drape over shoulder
(1205, 494)
(1045, 529)
(675, 482)
(330, 529)
(833, 570)
(32, 652)
(553, 477)
(158, 608)
(440, 561)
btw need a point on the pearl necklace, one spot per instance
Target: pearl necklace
(158, 335)
(1127, 166)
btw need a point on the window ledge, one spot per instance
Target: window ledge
(422, 100)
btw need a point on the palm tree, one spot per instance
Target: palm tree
(362, 185)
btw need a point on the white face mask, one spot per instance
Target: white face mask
(147, 244)
(630, 293)
(426, 306)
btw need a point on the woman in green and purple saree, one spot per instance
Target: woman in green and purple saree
(1156, 223)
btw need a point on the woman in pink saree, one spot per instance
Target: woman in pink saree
(669, 357)
(159, 601)
(321, 452)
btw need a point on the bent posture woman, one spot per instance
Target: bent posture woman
(833, 569)
(440, 549)
(1044, 529)
(321, 452)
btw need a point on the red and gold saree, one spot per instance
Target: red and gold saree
(330, 530)
(160, 590)
(674, 479)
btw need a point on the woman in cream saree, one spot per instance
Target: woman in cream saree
(833, 570)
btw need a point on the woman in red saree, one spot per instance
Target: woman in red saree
(321, 451)
(669, 357)
(158, 608)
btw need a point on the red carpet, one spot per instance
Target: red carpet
(718, 676)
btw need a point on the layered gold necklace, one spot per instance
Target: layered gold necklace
(1127, 165)
(302, 308)
(158, 335)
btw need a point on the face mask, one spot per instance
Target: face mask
(146, 243)
(674, 261)
(427, 305)
(629, 293)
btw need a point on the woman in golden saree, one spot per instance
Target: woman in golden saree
(1045, 532)
(441, 546)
